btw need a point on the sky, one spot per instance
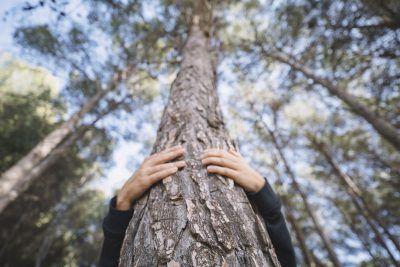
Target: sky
(123, 152)
(126, 155)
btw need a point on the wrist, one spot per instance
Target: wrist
(122, 202)
(258, 184)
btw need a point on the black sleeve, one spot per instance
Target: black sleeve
(116, 222)
(114, 227)
(269, 206)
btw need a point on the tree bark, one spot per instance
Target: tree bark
(383, 127)
(195, 218)
(324, 237)
(21, 175)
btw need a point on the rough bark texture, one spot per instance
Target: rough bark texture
(194, 218)
(383, 127)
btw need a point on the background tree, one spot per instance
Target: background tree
(352, 45)
(29, 109)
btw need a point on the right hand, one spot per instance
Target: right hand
(232, 165)
(153, 169)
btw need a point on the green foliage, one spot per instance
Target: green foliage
(39, 216)
(354, 44)
(19, 116)
(39, 38)
(28, 109)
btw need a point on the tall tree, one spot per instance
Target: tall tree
(354, 190)
(17, 178)
(358, 200)
(88, 76)
(312, 34)
(322, 46)
(356, 229)
(310, 211)
(28, 111)
(194, 218)
(383, 127)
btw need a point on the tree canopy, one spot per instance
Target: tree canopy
(309, 89)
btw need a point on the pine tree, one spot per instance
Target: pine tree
(194, 218)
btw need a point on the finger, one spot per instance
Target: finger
(162, 174)
(167, 156)
(223, 162)
(234, 152)
(222, 171)
(162, 157)
(165, 166)
(217, 153)
(165, 150)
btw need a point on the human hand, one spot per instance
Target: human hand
(153, 169)
(231, 164)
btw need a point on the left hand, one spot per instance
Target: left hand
(231, 164)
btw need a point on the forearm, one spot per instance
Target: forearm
(114, 227)
(269, 206)
(116, 222)
(281, 240)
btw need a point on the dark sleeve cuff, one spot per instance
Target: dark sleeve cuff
(266, 200)
(117, 221)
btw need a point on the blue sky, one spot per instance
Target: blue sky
(124, 151)
(127, 155)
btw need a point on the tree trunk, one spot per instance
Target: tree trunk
(194, 218)
(383, 127)
(21, 175)
(310, 210)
